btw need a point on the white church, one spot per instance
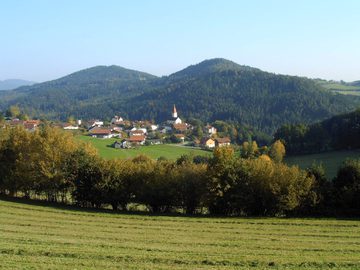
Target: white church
(176, 119)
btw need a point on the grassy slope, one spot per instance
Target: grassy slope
(153, 151)
(340, 88)
(40, 237)
(330, 160)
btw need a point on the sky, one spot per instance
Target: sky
(42, 40)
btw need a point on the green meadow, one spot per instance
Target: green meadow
(169, 151)
(330, 160)
(49, 237)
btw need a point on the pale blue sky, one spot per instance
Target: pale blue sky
(46, 39)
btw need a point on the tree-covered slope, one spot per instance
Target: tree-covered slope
(90, 87)
(215, 89)
(220, 89)
(340, 132)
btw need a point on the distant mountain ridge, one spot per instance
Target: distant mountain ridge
(11, 84)
(215, 89)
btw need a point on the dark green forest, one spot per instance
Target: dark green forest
(215, 89)
(340, 132)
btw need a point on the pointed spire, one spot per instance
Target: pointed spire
(174, 113)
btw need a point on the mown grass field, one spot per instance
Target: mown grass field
(330, 160)
(153, 151)
(44, 237)
(340, 88)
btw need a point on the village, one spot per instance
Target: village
(131, 134)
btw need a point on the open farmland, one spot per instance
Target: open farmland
(169, 151)
(43, 237)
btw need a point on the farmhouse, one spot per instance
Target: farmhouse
(69, 126)
(103, 133)
(220, 142)
(137, 139)
(30, 125)
(137, 132)
(208, 143)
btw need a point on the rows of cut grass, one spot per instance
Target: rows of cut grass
(169, 151)
(44, 237)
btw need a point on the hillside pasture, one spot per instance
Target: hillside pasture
(35, 236)
(344, 89)
(330, 160)
(169, 151)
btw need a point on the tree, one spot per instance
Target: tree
(2, 118)
(277, 151)
(190, 181)
(87, 176)
(13, 111)
(249, 149)
(117, 184)
(221, 175)
(347, 186)
(71, 120)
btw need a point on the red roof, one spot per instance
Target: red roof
(223, 140)
(135, 138)
(181, 127)
(137, 131)
(35, 122)
(100, 131)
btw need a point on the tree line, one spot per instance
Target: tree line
(50, 164)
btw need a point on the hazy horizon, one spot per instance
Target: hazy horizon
(44, 40)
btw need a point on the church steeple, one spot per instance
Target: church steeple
(174, 113)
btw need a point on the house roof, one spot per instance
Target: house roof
(29, 125)
(179, 135)
(136, 138)
(137, 131)
(223, 140)
(100, 131)
(35, 122)
(180, 127)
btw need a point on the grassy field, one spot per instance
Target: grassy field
(330, 160)
(44, 237)
(169, 151)
(340, 88)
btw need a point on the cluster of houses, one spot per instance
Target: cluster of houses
(141, 132)
(132, 133)
(30, 125)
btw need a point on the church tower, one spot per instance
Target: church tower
(174, 113)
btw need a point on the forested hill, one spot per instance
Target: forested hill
(220, 89)
(336, 133)
(68, 95)
(215, 89)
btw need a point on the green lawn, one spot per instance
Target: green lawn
(330, 160)
(44, 237)
(169, 151)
